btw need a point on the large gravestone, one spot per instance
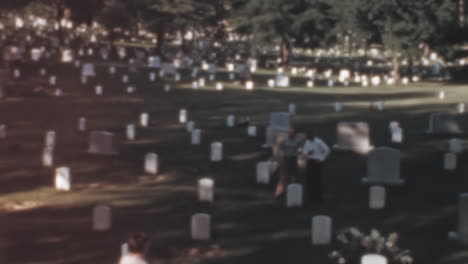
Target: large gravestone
(280, 122)
(103, 143)
(383, 166)
(353, 136)
(443, 124)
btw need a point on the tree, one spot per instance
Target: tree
(402, 26)
(283, 23)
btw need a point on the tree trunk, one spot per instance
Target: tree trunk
(285, 51)
(160, 41)
(396, 69)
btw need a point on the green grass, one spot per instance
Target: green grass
(249, 226)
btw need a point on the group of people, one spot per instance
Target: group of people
(294, 149)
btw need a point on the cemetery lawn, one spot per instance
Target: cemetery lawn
(42, 226)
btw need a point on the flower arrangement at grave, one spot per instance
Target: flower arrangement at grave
(351, 244)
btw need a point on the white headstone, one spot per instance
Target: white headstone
(201, 82)
(263, 172)
(102, 218)
(62, 179)
(125, 79)
(182, 116)
(206, 190)
(230, 121)
(377, 197)
(450, 161)
(190, 126)
(252, 131)
(3, 131)
(294, 195)
(196, 137)
(216, 152)
(88, 70)
(397, 135)
(200, 227)
(130, 132)
(321, 230)
(144, 119)
(48, 157)
(219, 86)
(461, 108)
(462, 230)
(152, 76)
(441, 95)
(373, 259)
(455, 145)
(50, 139)
(98, 90)
(53, 80)
(338, 107)
(112, 70)
(249, 85)
(282, 81)
(292, 109)
(82, 124)
(195, 85)
(16, 73)
(271, 83)
(151, 163)
(167, 88)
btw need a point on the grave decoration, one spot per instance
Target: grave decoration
(351, 245)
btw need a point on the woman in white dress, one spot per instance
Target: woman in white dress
(316, 151)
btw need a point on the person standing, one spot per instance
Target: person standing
(138, 245)
(316, 151)
(288, 164)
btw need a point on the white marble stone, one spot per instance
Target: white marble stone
(183, 116)
(190, 126)
(206, 190)
(102, 218)
(62, 179)
(130, 132)
(216, 152)
(151, 163)
(231, 121)
(3, 131)
(196, 137)
(263, 172)
(252, 131)
(200, 227)
(82, 124)
(450, 161)
(373, 259)
(321, 230)
(294, 195)
(144, 119)
(377, 196)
